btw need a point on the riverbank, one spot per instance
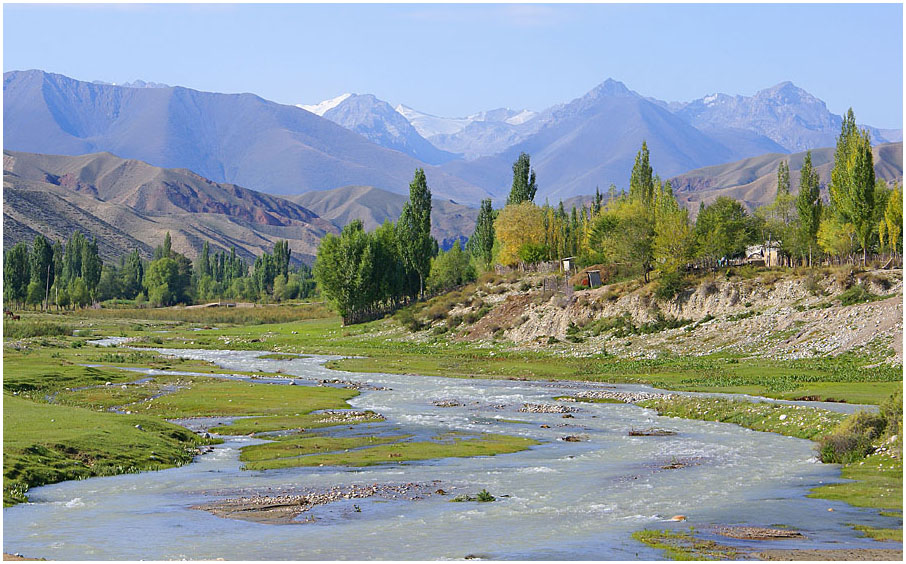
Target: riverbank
(875, 480)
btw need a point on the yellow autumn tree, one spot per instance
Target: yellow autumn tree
(518, 226)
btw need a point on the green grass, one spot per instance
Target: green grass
(282, 453)
(45, 443)
(387, 347)
(248, 426)
(793, 421)
(212, 397)
(878, 483)
(589, 400)
(443, 447)
(880, 534)
(679, 545)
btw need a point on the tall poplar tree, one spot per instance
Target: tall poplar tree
(641, 181)
(853, 181)
(524, 186)
(808, 205)
(416, 245)
(481, 244)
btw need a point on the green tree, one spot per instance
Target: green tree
(450, 269)
(416, 245)
(481, 243)
(91, 265)
(131, 275)
(624, 232)
(891, 225)
(42, 268)
(162, 282)
(853, 181)
(343, 271)
(524, 185)
(641, 181)
(282, 256)
(16, 274)
(722, 229)
(808, 205)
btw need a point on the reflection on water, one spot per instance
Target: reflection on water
(567, 500)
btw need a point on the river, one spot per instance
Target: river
(564, 500)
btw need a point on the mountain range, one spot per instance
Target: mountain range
(753, 181)
(133, 161)
(130, 204)
(235, 138)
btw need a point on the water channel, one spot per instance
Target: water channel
(564, 500)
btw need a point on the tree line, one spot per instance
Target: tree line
(72, 274)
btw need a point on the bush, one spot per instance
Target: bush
(892, 412)
(407, 319)
(669, 285)
(857, 294)
(812, 286)
(853, 438)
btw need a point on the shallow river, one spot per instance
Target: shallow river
(566, 500)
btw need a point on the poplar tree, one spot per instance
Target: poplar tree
(808, 204)
(416, 245)
(481, 244)
(641, 181)
(524, 186)
(16, 273)
(853, 181)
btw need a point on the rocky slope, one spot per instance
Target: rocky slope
(776, 314)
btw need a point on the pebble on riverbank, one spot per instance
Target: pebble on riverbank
(284, 509)
(546, 408)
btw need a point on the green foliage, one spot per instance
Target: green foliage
(853, 180)
(416, 245)
(27, 328)
(808, 204)
(481, 244)
(891, 225)
(531, 253)
(722, 229)
(852, 439)
(450, 269)
(856, 295)
(16, 273)
(669, 285)
(524, 186)
(641, 181)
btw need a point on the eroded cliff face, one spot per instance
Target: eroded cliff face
(776, 313)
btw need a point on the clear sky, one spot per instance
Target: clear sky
(453, 60)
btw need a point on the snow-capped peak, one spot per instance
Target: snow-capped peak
(325, 106)
(521, 117)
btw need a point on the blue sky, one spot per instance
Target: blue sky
(452, 60)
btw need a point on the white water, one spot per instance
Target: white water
(566, 500)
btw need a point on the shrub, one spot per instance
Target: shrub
(892, 412)
(852, 439)
(669, 285)
(407, 319)
(812, 286)
(525, 287)
(454, 321)
(438, 311)
(857, 294)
